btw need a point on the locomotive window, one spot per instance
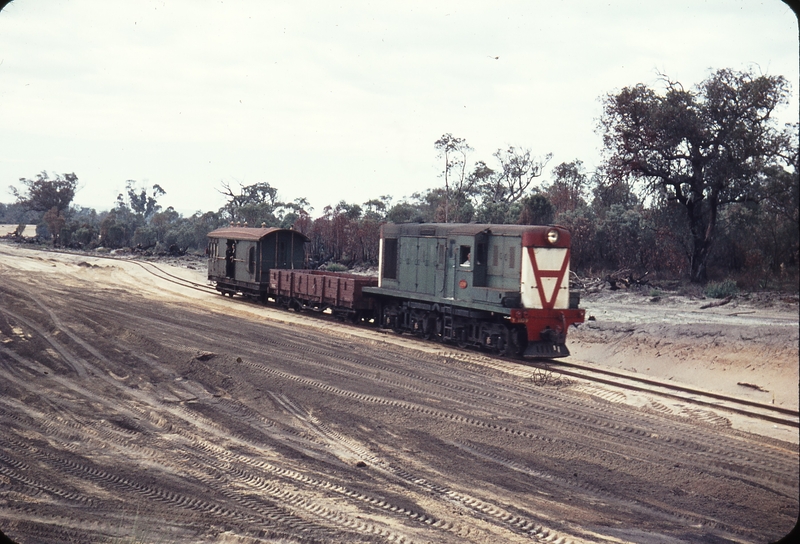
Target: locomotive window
(511, 257)
(442, 250)
(496, 256)
(251, 260)
(390, 258)
(464, 255)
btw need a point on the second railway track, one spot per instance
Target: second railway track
(746, 407)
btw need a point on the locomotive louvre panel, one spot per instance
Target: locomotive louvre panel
(426, 271)
(407, 267)
(479, 261)
(440, 267)
(503, 266)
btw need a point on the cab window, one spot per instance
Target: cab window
(465, 256)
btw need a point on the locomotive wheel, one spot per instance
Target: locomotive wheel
(512, 347)
(429, 328)
(461, 340)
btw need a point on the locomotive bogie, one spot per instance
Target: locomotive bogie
(459, 326)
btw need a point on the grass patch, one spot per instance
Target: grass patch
(722, 289)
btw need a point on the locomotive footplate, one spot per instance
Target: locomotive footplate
(547, 350)
(547, 330)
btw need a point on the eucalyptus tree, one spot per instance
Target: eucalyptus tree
(454, 151)
(703, 148)
(52, 197)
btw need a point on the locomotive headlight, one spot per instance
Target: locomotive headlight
(552, 236)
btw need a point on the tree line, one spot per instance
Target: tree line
(696, 183)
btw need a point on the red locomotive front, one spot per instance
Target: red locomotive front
(547, 309)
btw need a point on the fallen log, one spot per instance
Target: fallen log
(722, 302)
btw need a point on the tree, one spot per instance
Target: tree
(703, 148)
(454, 151)
(42, 194)
(568, 189)
(536, 210)
(140, 202)
(517, 171)
(52, 196)
(254, 204)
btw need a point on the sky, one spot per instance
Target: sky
(341, 101)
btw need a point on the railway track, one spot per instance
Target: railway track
(149, 267)
(746, 407)
(155, 270)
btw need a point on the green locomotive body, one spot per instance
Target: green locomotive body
(501, 287)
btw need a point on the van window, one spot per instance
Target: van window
(251, 259)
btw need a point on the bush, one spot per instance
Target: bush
(83, 235)
(721, 289)
(336, 267)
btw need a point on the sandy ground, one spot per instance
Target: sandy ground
(747, 348)
(659, 478)
(753, 340)
(6, 229)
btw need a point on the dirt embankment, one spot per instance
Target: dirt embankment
(747, 348)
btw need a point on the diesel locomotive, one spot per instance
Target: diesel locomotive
(503, 288)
